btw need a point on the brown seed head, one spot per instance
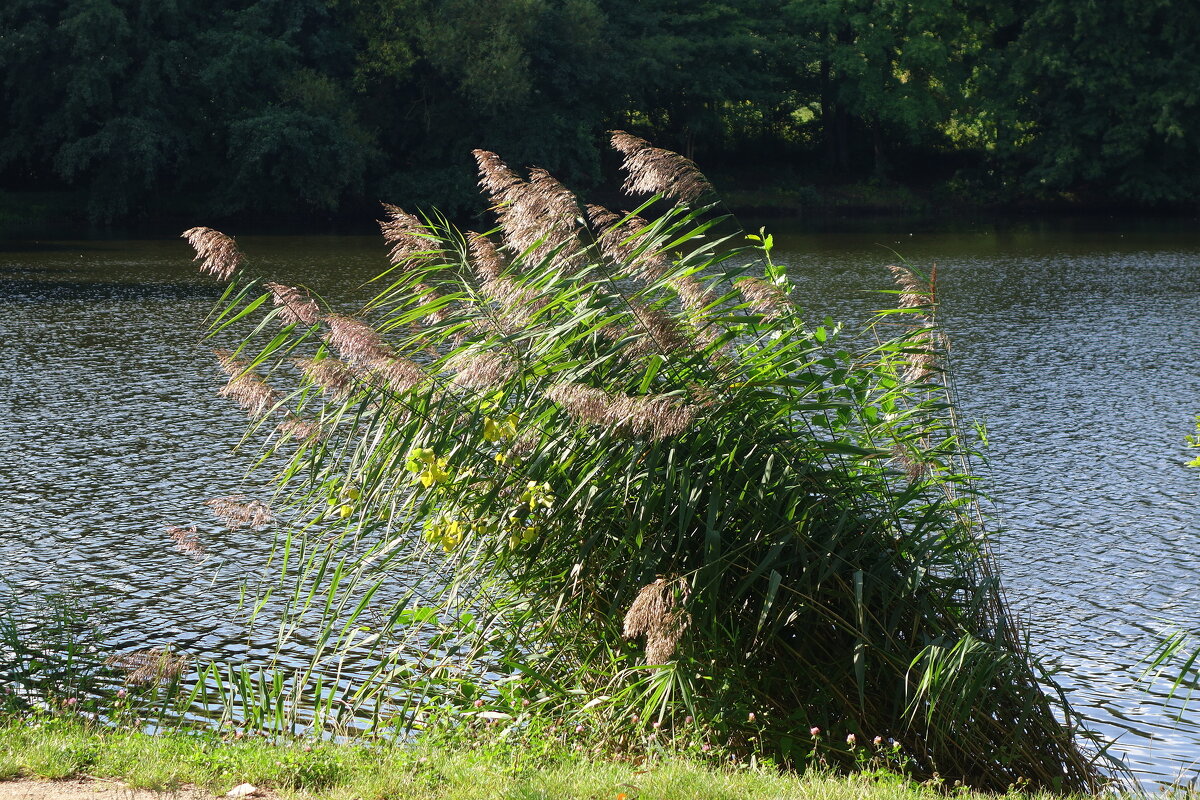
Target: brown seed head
(357, 341)
(914, 292)
(398, 373)
(150, 666)
(652, 416)
(332, 375)
(653, 170)
(187, 540)
(220, 254)
(301, 429)
(297, 306)
(764, 298)
(408, 236)
(481, 370)
(239, 512)
(657, 614)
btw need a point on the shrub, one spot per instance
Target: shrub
(630, 481)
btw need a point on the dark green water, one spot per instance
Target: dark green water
(1078, 346)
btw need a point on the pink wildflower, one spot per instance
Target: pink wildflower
(814, 731)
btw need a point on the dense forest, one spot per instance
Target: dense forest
(262, 108)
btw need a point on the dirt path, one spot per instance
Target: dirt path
(91, 789)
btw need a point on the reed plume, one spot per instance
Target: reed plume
(150, 666)
(239, 512)
(618, 242)
(398, 373)
(921, 353)
(657, 615)
(652, 416)
(333, 376)
(357, 341)
(406, 234)
(301, 429)
(653, 170)
(915, 292)
(296, 306)
(187, 540)
(220, 253)
(482, 370)
(653, 331)
(539, 215)
(252, 393)
(764, 298)
(486, 260)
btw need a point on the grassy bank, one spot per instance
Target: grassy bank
(58, 748)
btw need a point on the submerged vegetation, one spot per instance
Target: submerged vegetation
(601, 468)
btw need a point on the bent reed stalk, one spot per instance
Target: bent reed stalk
(640, 489)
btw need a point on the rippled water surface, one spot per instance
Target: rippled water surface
(1078, 347)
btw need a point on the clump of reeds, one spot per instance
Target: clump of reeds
(621, 443)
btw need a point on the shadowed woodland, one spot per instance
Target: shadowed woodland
(268, 109)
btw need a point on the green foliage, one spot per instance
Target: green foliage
(51, 653)
(649, 493)
(481, 766)
(250, 107)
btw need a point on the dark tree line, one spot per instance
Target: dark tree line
(318, 106)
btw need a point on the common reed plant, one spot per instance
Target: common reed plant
(624, 481)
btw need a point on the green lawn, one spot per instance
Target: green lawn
(60, 748)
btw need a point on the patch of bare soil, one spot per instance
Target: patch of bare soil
(93, 789)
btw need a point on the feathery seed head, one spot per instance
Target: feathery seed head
(764, 298)
(187, 540)
(332, 375)
(357, 341)
(652, 416)
(657, 614)
(150, 666)
(298, 306)
(653, 170)
(220, 254)
(239, 512)
(914, 292)
(406, 234)
(481, 370)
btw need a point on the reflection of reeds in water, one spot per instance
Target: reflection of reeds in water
(187, 540)
(148, 667)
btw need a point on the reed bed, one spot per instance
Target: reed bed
(646, 492)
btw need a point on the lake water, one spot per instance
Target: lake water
(1078, 347)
